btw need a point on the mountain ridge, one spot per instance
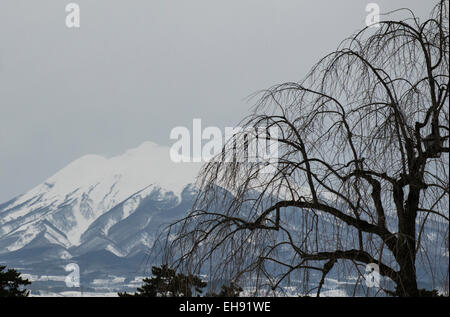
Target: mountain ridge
(65, 205)
(105, 215)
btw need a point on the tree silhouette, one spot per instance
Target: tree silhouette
(362, 173)
(165, 282)
(11, 282)
(231, 290)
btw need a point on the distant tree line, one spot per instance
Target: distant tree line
(166, 282)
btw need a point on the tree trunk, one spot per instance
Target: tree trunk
(406, 248)
(408, 283)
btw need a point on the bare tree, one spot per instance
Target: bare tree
(362, 175)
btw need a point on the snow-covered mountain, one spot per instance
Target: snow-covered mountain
(104, 214)
(91, 203)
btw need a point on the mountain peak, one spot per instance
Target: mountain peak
(92, 184)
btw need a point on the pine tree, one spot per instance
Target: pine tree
(231, 290)
(10, 283)
(165, 282)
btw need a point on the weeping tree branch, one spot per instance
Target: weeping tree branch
(361, 174)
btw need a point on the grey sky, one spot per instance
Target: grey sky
(136, 69)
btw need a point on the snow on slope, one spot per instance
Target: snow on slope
(92, 185)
